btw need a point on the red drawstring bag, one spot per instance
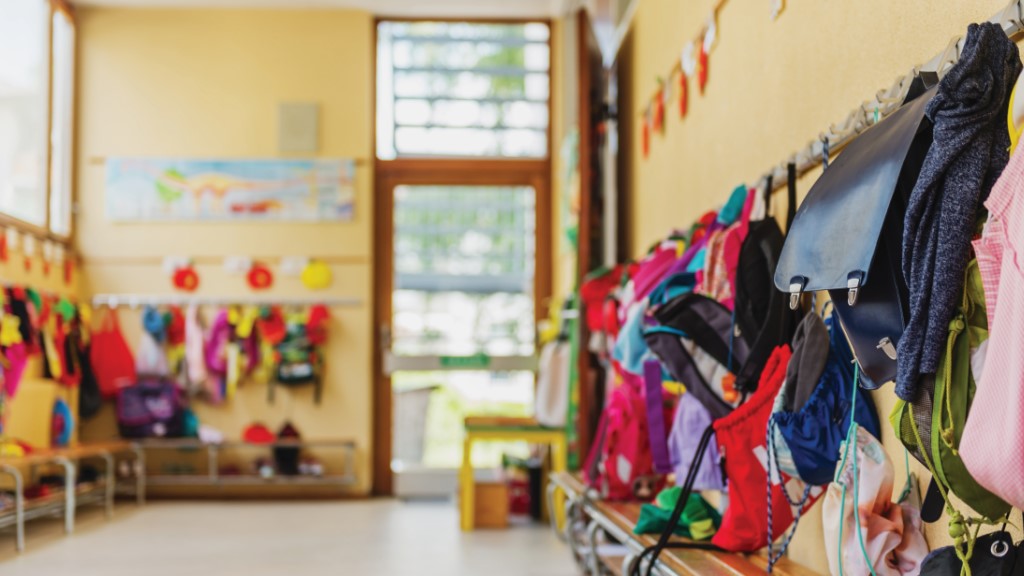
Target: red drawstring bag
(112, 360)
(742, 445)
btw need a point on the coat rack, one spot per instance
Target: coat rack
(136, 300)
(885, 102)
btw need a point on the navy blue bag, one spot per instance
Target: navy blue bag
(812, 413)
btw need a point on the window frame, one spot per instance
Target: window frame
(44, 231)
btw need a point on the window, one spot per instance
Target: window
(464, 261)
(462, 89)
(35, 132)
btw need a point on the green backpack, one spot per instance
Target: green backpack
(930, 426)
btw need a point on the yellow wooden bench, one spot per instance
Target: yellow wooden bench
(503, 429)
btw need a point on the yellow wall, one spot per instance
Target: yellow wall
(773, 87)
(207, 83)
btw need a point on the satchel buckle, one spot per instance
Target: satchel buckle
(796, 288)
(886, 346)
(853, 282)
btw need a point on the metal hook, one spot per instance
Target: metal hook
(949, 56)
(1011, 19)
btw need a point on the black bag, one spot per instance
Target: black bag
(994, 554)
(692, 325)
(762, 315)
(286, 458)
(300, 364)
(90, 399)
(847, 235)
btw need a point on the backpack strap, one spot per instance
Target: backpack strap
(769, 186)
(677, 513)
(656, 417)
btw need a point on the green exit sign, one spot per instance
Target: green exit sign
(477, 361)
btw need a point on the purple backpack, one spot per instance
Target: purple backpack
(152, 408)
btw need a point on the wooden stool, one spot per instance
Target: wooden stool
(485, 429)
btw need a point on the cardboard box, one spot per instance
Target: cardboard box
(491, 510)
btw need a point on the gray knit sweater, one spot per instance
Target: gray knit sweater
(969, 152)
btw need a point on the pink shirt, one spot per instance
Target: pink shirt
(992, 446)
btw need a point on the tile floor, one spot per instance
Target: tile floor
(373, 537)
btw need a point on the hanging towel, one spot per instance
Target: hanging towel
(969, 152)
(195, 360)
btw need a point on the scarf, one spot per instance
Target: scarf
(968, 153)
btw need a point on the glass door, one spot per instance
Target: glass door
(462, 215)
(462, 330)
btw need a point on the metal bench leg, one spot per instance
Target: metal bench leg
(69, 493)
(19, 504)
(575, 543)
(108, 499)
(570, 519)
(140, 473)
(595, 562)
(628, 564)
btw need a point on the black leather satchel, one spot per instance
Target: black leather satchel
(847, 235)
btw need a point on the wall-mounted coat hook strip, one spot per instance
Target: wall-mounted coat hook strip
(888, 100)
(102, 161)
(136, 300)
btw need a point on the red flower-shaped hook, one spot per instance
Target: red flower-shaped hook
(186, 278)
(260, 277)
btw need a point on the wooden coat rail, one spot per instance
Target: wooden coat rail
(885, 102)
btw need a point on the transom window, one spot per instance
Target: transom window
(462, 89)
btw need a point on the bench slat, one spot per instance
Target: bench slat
(684, 562)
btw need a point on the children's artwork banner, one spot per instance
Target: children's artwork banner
(186, 189)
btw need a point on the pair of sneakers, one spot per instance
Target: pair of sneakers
(311, 467)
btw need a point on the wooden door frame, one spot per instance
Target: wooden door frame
(445, 171)
(392, 173)
(587, 116)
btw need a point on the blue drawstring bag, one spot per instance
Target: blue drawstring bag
(812, 411)
(811, 417)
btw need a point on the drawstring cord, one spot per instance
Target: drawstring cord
(773, 457)
(851, 439)
(956, 327)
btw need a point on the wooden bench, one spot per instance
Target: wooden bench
(73, 495)
(504, 429)
(617, 519)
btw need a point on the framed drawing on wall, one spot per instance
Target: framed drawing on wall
(184, 189)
